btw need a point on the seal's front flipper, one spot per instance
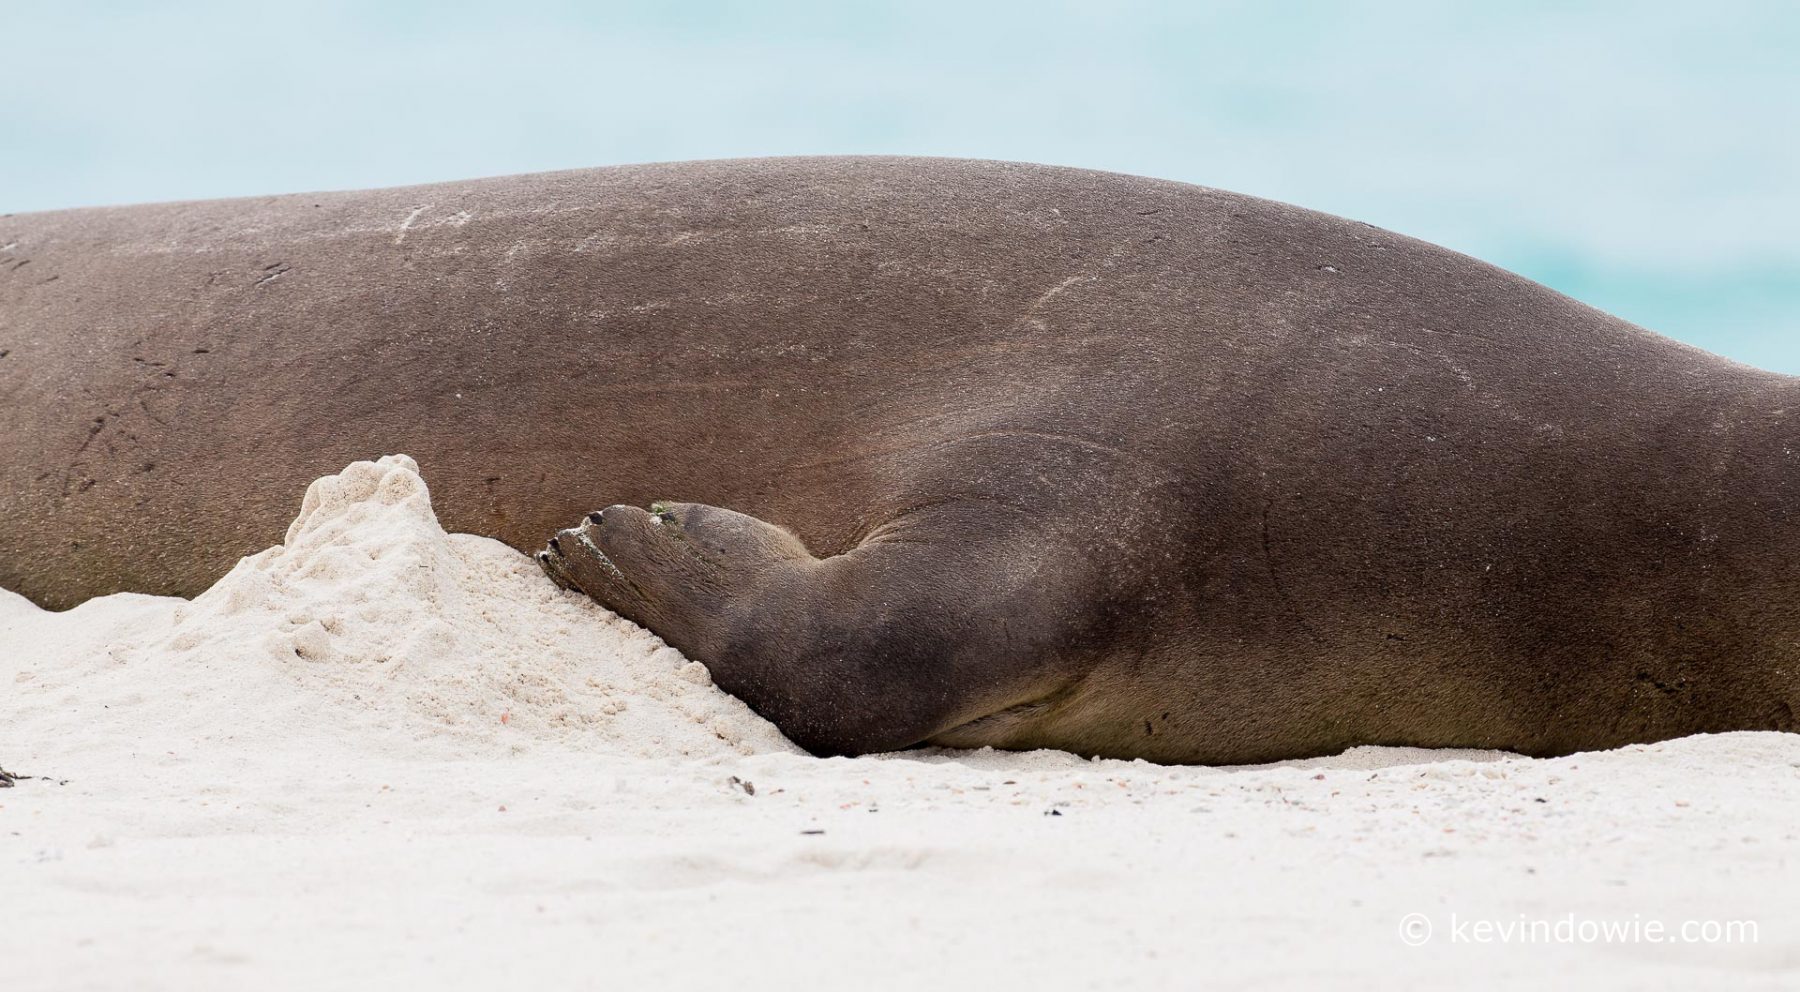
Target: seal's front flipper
(675, 568)
(873, 650)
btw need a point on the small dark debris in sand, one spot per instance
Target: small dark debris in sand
(812, 833)
(8, 779)
(1053, 812)
(748, 786)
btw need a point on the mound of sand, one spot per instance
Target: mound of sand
(370, 625)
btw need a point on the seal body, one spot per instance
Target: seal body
(965, 452)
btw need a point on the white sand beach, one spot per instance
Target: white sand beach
(381, 756)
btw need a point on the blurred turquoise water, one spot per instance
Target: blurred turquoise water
(1639, 156)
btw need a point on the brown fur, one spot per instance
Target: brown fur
(1079, 460)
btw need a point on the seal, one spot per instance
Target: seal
(968, 453)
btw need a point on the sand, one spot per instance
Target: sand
(380, 755)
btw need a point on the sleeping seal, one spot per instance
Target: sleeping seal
(971, 453)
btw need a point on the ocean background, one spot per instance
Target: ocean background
(1643, 157)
